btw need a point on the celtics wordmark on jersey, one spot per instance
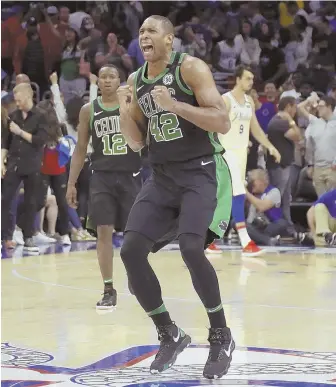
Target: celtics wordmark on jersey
(110, 150)
(170, 137)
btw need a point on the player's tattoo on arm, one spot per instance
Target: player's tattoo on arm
(79, 155)
(211, 114)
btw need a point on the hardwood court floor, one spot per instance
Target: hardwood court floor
(282, 312)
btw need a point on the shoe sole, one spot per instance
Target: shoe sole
(256, 254)
(332, 241)
(213, 252)
(184, 344)
(106, 307)
(207, 376)
(31, 249)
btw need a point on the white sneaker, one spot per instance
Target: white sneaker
(18, 237)
(42, 239)
(65, 240)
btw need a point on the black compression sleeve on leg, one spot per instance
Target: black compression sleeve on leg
(203, 276)
(145, 284)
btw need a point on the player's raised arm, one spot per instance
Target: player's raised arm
(260, 135)
(131, 117)
(211, 115)
(78, 157)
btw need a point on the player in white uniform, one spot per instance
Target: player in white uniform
(243, 119)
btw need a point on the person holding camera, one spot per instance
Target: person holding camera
(265, 219)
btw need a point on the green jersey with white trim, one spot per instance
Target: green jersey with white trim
(170, 137)
(110, 150)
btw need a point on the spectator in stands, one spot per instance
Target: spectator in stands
(330, 35)
(193, 43)
(321, 65)
(306, 89)
(305, 32)
(119, 28)
(268, 106)
(64, 14)
(135, 53)
(295, 52)
(265, 219)
(321, 142)
(249, 46)
(99, 23)
(283, 134)
(11, 29)
(134, 16)
(253, 13)
(272, 59)
(225, 57)
(31, 54)
(288, 10)
(71, 83)
(28, 135)
(114, 53)
(321, 219)
(293, 83)
(52, 173)
(271, 94)
(69, 116)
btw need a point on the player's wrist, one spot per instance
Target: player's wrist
(174, 107)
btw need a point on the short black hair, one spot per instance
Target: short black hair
(329, 101)
(166, 23)
(285, 101)
(240, 70)
(109, 66)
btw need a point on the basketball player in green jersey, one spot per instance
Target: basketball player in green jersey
(115, 179)
(172, 104)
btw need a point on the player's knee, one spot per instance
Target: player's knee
(135, 247)
(191, 246)
(104, 233)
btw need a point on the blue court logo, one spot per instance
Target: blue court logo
(130, 368)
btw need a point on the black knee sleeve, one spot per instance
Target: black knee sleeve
(134, 250)
(192, 248)
(145, 284)
(202, 273)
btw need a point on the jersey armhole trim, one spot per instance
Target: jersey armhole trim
(91, 114)
(135, 84)
(182, 85)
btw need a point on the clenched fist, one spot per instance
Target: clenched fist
(124, 94)
(162, 97)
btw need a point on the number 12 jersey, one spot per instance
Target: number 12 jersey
(110, 150)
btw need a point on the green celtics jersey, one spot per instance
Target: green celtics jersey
(110, 150)
(170, 137)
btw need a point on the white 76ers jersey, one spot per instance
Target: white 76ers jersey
(240, 117)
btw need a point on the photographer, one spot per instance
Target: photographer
(265, 219)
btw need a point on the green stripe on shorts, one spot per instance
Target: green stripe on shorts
(222, 214)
